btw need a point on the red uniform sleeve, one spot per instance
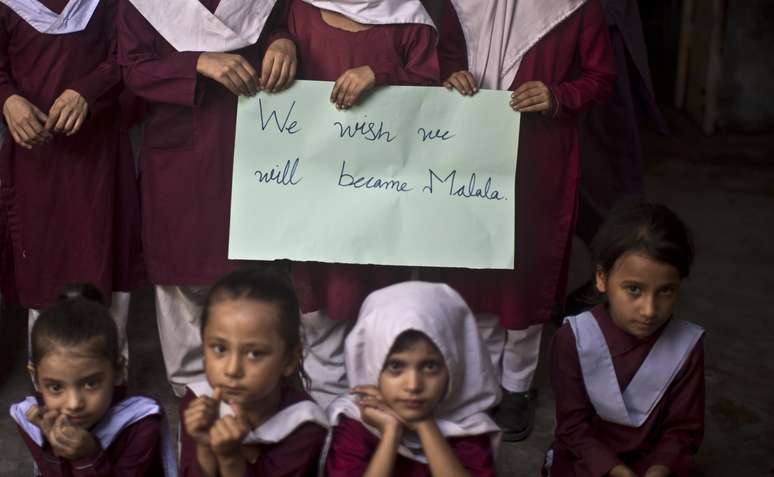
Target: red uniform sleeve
(277, 24)
(101, 87)
(597, 64)
(295, 456)
(573, 408)
(7, 84)
(170, 77)
(351, 449)
(475, 454)
(683, 426)
(420, 61)
(452, 47)
(48, 464)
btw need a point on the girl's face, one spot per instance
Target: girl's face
(76, 383)
(641, 293)
(244, 354)
(414, 380)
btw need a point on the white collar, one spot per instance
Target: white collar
(498, 33)
(378, 12)
(633, 406)
(74, 18)
(280, 425)
(187, 25)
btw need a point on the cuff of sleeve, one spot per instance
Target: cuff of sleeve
(279, 34)
(86, 464)
(557, 111)
(382, 74)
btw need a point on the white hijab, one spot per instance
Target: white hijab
(499, 32)
(187, 25)
(74, 17)
(378, 12)
(440, 313)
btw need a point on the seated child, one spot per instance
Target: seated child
(80, 422)
(248, 419)
(424, 383)
(627, 376)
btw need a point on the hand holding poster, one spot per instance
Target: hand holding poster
(411, 176)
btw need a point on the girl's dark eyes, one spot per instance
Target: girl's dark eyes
(633, 289)
(667, 291)
(432, 366)
(394, 366)
(218, 349)
(54, 388)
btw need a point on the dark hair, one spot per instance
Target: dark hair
(642, 226)
(264, 285)
(76, 321)
(81, 290)
(409, 338)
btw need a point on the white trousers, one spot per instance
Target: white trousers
(178, 314)
(514, 353)
(323, 340)
(119, 309)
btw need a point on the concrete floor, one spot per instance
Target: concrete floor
(722, 186)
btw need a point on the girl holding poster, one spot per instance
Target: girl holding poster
(189, 60)
(359, 45)
(555, 56)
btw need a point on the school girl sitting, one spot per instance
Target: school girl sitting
(248, 418)
(629, 377)
(423, 385)
(81, 421)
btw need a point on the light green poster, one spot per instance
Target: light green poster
(411, 176)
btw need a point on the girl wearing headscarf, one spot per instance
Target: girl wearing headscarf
(423, 384)
(555, 56)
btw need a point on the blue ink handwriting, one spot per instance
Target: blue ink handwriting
(286, 176)
(466, 191)
(291, 128)
(430, 134)
(348, 180)
(367, 130)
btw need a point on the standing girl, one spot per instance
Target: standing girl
(190, 60)
(359, 45)
(249, 418)
(80, 422)
(424, 384)
(555, 56)
(59, 161)
(630, 376)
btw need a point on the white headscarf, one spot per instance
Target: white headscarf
(188, 26)
(378, 12)
(499, 32)
(74, 17)
(440, 313)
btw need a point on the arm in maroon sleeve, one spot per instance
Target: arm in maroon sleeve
(48, 464)
(573, 408)
(101, 87)
(475, 454)
(277, 23)
(351, 449)
(295, 456)
(161, 78)
(452, 47)
(420, 61)
(683, 426)
(7, 85)
(597, 65)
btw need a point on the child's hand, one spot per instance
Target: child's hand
(25, 122)
(463, 82)
(227, 434)
(43, 418)
(279, 66)
(67, 113)
(375, 412)
(71, 442)
(532, 96)
(658, 471)
(199, 417)
(232, 71)
(351, 85)
(621, 471)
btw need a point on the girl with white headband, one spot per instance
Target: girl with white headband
(189, 60)
(359, 44)
(423, 386)
(555, 56)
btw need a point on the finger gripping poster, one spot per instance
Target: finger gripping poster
(410, 176)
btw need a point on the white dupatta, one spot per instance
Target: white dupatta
(498, 33)
(378, 12)
(187, 25)
(74, 17)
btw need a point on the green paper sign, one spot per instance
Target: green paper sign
(410, 176)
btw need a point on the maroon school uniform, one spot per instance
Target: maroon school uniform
(295, 456)
(187, 152)
(60, 199)
(353, 446)
(398, 55)
(575, 61)
(587, 446)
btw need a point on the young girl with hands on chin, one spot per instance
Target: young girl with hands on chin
(631, 376)
(80, 422)
(248, 418)
(424, 384)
